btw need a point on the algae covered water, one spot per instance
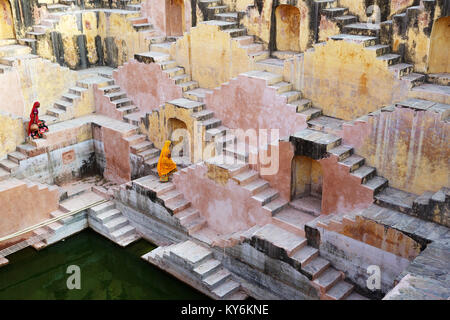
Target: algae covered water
(108, 272)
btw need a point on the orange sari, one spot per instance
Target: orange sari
(165, 164)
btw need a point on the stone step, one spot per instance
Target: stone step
(269, 77)
(151, 56)
(340, 291)
(379, 49)
(16, 156)
(442, 79)
(163, 47)
(305, 255)
(401, 69)
(190, 254)
(140, 147)
(364, 173)
(211, 123)
(315, 267)
(173, 72)
(276, 205)
(291, 95)
(246, 177)
(171, 195)
(203, 115)
(376, 184)
(214, 10)
(232, 165)
(236, 32)
(70, 97)
(353, 162)
(195, 225)
(4, 174)
(109, 215)
(390, 58)
(110, 89)
(334, 12)
(396, 199)
(136, 139)
(282, 87)
(328, 279)
(195, 106)
(228, 290)
(142, 26)
(101, 208)
(127, 110)
(366, 41)
(77, 90)
(63, 105)
(124, 102)
(116, 95)
(228, 16)
(177, 204)
(207, 268)
(216, 279)
(189, 85)
(116, 223)
(342, 152)
(365, 29)
(149, 153)
(8, 165)
(197, 94)
(256, 186)
(344, 20)
(266, 196)
(187, 215)
(273, 236)
(123, 232)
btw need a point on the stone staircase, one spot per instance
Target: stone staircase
(195, 265)
(324, 143)
(124, 105)
(368, 34)
(166, 194)
(283, 245)
(111, 223)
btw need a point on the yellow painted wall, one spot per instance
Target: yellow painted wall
(211, 56)
(347, 81)
(288, 28)
(440, 46)
(6, 20)
(12, 133)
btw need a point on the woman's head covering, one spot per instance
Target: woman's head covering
(36, 104)
(165, 164)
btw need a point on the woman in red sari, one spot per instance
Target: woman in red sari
(34, 119)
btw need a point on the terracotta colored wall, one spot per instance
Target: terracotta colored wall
(408, 147)
(23, 206)
(159, 13)
(146, 84)
(117, 152)
(281, 180)
(341, 191)
(227, 207)
(247, 103)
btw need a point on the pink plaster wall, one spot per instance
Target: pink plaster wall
(157, 13)
(104, 106)
(117, 154)
(146, 84)
(23, 207)
(227, 208)
(248, 103)
(341, 191)
(281, 180)
(11, 98)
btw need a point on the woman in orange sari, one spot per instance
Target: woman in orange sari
(166, 165)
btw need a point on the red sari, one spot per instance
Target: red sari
(34, 116)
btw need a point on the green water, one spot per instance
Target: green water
(108, 272)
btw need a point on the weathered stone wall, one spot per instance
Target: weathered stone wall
(163, 15)
(408, 147)
(146, 84)
(23, 205)
(354, 257)
(219, 200)
(12, 133)
(347, 81)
